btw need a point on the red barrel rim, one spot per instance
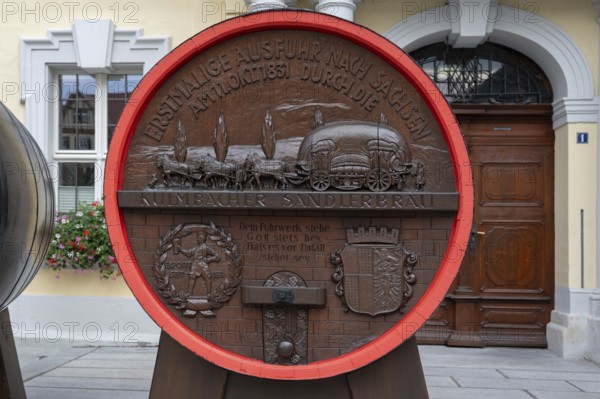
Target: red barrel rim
(381, 47)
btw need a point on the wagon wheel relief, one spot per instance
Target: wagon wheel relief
(320, 181)
(379, 180)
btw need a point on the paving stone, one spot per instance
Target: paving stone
(550, 375)
(144, 374)
(69, 393)
(115, 384)
(561, 395)
(44, 365)
(436, 381)
(497, 383)
(128, 349)
(31, 351)
(472, 393)
(115, 363)
(588, 386)
(141, 356)
(502, 358)
(462, 372)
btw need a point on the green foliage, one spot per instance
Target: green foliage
(80, 242)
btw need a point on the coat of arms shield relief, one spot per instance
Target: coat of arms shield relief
(374, 273)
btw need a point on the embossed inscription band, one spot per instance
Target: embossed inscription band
(289, 200)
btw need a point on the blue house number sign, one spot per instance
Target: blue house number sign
(582, 138)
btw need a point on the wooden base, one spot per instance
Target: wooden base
(11, 381)
(181, 374)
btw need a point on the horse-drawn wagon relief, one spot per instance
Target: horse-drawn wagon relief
(344, 155)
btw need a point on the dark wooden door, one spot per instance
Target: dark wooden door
(503, 294)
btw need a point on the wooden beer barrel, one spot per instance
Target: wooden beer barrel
(262, 257)
(26, 207)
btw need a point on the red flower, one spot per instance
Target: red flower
(72, 243)
(86, 232)
(51, 261)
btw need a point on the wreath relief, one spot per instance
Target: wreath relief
(197, 268)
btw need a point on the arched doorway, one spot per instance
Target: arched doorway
(504, 292)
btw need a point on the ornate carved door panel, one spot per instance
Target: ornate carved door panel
(503, 294)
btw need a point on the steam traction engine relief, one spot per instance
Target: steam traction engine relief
(286, 195)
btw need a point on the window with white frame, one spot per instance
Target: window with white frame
(87, 114)
(74, 131)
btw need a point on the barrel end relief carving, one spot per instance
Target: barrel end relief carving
(373, 272)
(295, 143)
(197, 268)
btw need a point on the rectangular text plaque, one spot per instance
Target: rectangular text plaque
(399, 201)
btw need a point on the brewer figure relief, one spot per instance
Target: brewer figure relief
(202, 256)
(190, 252)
